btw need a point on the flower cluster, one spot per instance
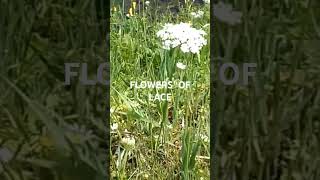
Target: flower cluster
(181, 65)
(114, 127)
(128, 142)
(184, 36)
(197, 14)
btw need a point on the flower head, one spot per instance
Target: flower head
(181, 65)
(114, 126)
(225, 13)
(114, 8)
(128, 142)
(182, 35)
(197, 14)
(205, 138)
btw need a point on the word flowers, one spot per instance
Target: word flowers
(160, 85)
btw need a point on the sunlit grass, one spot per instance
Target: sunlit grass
(171, 138)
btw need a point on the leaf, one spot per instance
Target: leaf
(40, 162)
(194, 152)
(54, 130)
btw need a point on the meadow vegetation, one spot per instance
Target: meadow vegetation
(50, 131)
(158, 139)
(270, 129)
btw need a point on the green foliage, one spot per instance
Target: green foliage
(51, 131)
(270, 129)
(167, 134)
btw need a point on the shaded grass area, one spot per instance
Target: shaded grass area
(49, 130)
(270, 129)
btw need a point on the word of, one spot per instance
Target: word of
(235, 68)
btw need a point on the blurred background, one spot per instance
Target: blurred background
(49, 130)
(268, 130)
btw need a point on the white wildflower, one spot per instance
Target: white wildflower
(146, 176)
(184, 36)
(204, 138)
(181, 65)
(147, 3)
(198, 14)
(225, 13)
(114, 127)
(128, 142)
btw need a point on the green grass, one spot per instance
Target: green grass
(51, 131)
(266, 131)
(270, 129)
(160, 152)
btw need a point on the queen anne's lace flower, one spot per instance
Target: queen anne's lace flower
(114, 126)
(197, 14)
(182, 35)
(181, 65)
(128, 142)
(225, 13)
(205, 138)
